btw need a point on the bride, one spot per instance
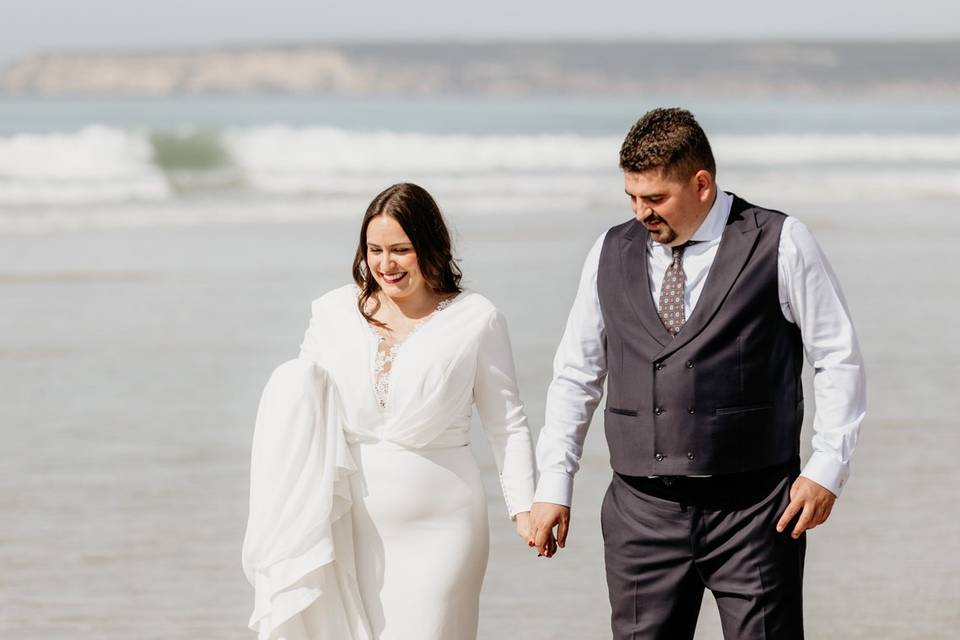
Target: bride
(368, 518)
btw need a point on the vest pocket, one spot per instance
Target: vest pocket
(744, 408)
(630, 440)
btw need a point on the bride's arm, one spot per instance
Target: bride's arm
(501, 413)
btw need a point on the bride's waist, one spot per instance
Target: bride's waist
(454, 436)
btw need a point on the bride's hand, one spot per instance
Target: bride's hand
(523, 524)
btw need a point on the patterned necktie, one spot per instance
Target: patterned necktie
(670, 309)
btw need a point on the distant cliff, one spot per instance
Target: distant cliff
(510, 68)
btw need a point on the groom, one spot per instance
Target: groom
(698, 313)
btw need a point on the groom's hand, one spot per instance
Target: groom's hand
(812, 501)
(546, 516)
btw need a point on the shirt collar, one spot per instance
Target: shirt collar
(716, 221)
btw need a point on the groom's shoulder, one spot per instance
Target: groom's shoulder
(741, 208)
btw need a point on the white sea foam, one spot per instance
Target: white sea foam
(329, 149)
(93, 165)
(103, 176)
(869, 149)
(277, 157)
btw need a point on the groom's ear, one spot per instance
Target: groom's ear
(703, 181)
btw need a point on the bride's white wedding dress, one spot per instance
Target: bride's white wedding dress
(367, 514)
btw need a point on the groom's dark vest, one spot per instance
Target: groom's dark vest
(722, 396)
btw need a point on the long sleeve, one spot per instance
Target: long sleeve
(579, 369)
(502, 416)
(810, 297)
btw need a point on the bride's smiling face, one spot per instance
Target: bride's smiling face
(391, 258)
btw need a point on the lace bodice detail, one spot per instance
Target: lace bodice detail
(388, 351)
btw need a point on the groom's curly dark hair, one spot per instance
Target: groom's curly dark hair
(667, 139)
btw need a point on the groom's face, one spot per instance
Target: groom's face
(671, 209)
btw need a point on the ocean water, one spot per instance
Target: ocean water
(85, 163)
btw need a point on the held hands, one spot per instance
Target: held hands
(812, 501)
(545, 516)
(524, 530)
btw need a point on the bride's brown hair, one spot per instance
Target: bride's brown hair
(419, 216)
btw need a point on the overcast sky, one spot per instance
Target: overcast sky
(29, 26)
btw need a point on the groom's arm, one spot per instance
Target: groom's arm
(811, 298)
(579, 368)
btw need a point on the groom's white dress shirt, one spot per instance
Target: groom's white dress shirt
(810, 297)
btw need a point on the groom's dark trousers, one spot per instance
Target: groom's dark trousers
(668, 538)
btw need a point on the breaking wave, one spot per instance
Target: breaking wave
(142, 171)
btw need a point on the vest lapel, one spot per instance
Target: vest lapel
(739, 239)
(634, 266)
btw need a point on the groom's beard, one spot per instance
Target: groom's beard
(663, 233)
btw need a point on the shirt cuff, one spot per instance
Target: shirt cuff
(827, 471)
(555, 487)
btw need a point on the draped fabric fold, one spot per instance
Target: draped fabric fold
(298, 550)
